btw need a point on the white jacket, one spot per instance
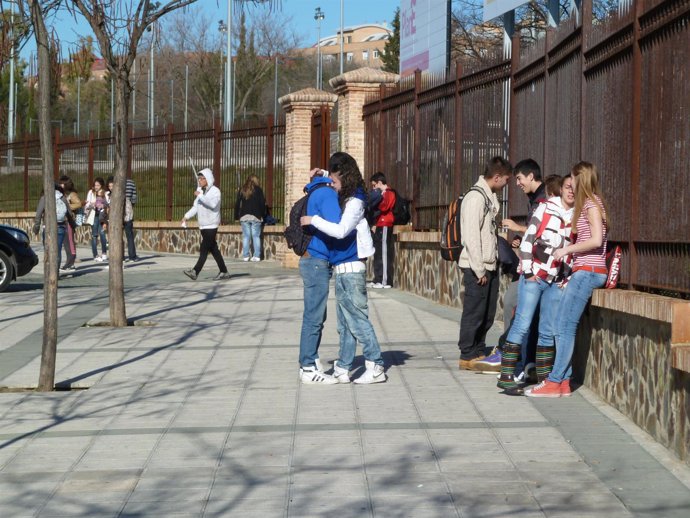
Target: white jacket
(352, 217)
(478, 230)
(206, 206)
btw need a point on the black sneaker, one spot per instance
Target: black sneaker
(191, 274)
(222, 276)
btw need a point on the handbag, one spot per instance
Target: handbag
(91, 218)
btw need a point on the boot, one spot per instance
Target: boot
(545, 357)
(511, 353)
(373, 374)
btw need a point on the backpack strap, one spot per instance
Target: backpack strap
(487, 202)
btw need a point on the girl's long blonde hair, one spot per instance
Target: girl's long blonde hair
(587, 188)
(249, 185)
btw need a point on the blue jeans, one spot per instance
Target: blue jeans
(352, 311)
(96, 232)
(529, 296)
(548, 325)
(316, 274)
(251, 232)
(61, 232)
(577, 293)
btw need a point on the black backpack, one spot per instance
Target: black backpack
(297, 236)
(401, 210)
(451, 239)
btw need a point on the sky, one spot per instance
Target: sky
(356, 12)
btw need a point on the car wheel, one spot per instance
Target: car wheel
(5, 271)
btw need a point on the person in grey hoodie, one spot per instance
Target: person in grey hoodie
(206, 208)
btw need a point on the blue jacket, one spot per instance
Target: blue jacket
(345, 250)
(322, 202)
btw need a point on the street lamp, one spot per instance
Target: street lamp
(228, 71)
(318, 16)
(223, 29)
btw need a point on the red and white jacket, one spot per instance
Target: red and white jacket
(548, 230)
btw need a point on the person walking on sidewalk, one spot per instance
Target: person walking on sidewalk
(131, 198)
(539, 285)
(250, 210)
(206, 208)
(353, 245)
(589, 273)
(74, 203)
(384, 256)
(478, 260)
(96, 207)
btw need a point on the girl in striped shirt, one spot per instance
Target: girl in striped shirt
(589, 273)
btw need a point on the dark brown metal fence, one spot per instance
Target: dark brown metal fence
(615, 93)
(160, 165)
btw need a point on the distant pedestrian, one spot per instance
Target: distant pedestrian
(96, 207)
(206, 208)
(63, 218)
(383, 233)
(130, 202)
(250, 210)
(478, 260)
(74, 204)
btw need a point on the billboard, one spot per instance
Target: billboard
(495, 8)
(423, 35)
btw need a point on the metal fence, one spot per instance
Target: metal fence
(614, 93)
(160, 165)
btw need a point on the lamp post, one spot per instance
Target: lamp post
(151, 28)
(223, 29)
(318, 16)
(342, 35)
(228, 71)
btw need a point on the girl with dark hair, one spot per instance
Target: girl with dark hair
(250, 210)
(590, 224)
(353, 243)
(96, 202)
(74, 204)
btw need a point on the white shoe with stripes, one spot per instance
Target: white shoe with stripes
(312, 376)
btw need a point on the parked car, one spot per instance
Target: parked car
(16, 255)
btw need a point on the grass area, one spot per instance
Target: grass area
(152, 191)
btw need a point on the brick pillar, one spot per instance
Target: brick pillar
(354, 89)
(298, 107)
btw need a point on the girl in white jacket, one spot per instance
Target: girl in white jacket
(206, 208)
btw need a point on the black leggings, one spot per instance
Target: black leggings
(209, 244)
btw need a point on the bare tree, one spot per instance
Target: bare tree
(46, 379)
(119, 27)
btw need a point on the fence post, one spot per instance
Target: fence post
(416, 157)
(89, 171)
(169, 175)
(216, 151)
(130, 138)
(547, 43)
(457, 165)
(381, 150)
(26, 172)
(636, 133)
(269, 161)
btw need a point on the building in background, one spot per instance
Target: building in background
(362, 47)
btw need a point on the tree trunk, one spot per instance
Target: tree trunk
(46, 379)
(118, 311)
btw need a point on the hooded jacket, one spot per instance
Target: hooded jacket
(351, 220)
(322, 202)
(206, 206)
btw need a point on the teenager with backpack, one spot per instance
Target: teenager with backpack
(591, 224)
(478, 260)
(384, 257)
(74, 203)
(352, 245)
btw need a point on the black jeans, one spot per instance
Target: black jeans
(209, 244)
(129, 233)
(384, 255)
(478, 312)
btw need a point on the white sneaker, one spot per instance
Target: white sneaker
(245, 259)
(319, 365)
(370, 284)
(377, 285)
(104, 258)
(311, 376)
(98, 259)
(340, 374)
(256, 259)
(373, 374)
(386, 286)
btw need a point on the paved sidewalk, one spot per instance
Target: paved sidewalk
(197, 411)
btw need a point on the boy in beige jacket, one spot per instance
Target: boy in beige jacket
(478, 260)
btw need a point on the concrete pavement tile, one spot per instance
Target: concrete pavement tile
(249, 491)
(245, 507)
(490, 510)
(312, 505)
(164, 508)
(603, 503)
(165, 494)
